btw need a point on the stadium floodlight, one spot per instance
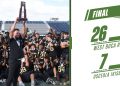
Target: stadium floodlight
(54, 19)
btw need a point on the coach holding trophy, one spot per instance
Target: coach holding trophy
(16, 43)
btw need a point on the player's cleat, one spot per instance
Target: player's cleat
(21, 84)
(49, 80)
(33, 83)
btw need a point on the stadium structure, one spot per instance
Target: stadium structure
(41, 27)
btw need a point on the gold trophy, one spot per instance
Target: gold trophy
(22, 12)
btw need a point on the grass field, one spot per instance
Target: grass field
(39, 83)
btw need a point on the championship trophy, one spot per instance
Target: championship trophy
(22, 12)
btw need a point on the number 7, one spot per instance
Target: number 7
(104, 60)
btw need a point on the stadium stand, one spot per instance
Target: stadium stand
(59, 26)
(0, 25)
(38, 26)
(41, 27)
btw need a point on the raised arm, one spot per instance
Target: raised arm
(24, 30)
(12, 28)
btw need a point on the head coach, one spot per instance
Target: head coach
(16, 44)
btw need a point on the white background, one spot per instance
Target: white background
(84, 59)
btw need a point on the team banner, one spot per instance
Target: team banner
(104, 12)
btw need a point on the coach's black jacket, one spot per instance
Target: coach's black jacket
(16, 52)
